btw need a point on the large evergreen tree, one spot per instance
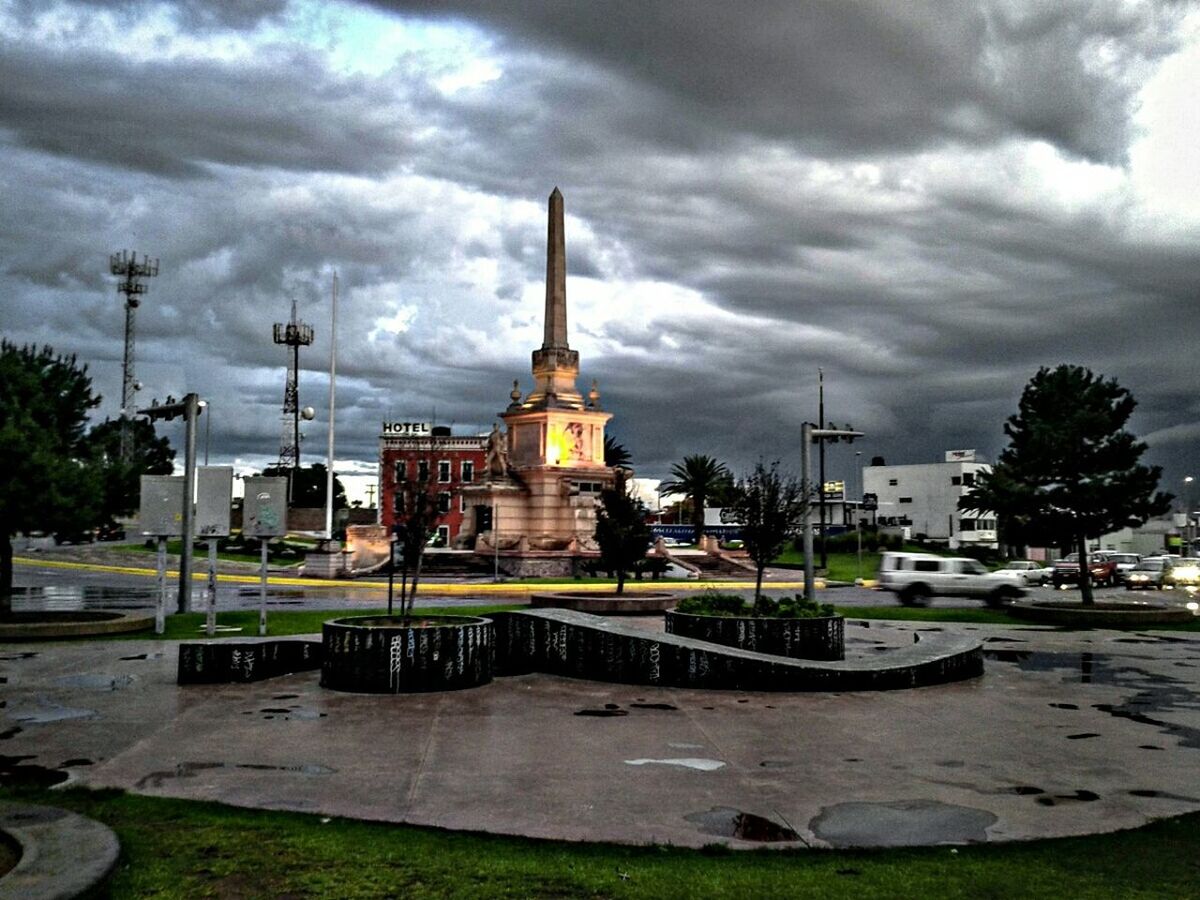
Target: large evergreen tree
(121, 479)
(700, 479)
(770, 506)
(48, 483)
(309, 490)
(1071, 471)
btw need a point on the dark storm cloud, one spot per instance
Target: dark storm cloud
(860, 78)
(178, 119)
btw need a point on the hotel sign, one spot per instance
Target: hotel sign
(406, 429)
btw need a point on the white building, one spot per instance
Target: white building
(924, 500)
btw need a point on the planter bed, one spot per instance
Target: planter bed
(823, 637)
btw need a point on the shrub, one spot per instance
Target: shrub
(711, 603)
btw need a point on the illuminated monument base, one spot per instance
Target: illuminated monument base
(535, 508)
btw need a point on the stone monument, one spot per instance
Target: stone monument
(535, 509)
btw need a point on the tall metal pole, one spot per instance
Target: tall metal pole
(821, 456)
(332, 398)
(191, 408)
(806, 438)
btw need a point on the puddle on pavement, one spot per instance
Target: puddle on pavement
(142, 656)
(1082, 736)
(297, 712)
(28, 654)
(1149, 747)
(1159, 699)
(1025, 790)
(89, 681)
(1080, 796)
(775, 764)
(700, 765)
(71, 763)
(189, 770)
(1163, 795)
(602, 713)
(47, 713)
(13, 773)
(665, 706)
(1064, 706)
(724, 821)
(901, 823)
(10, 733)
(285, 697)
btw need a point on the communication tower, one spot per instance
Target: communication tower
(293, 334)
(125, 265)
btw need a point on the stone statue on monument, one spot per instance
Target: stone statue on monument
(496, 460)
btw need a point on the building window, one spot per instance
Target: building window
(906, 499)
(423, 470)
(443, 536)
(443, 502)
(462, 503)
(468, 471)
(966, 525)
(969, 479)
(956, 480)
(398, 471)
(443, 471)
(892, 482)
(398, 503)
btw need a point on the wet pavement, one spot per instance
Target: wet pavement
(1066, 733)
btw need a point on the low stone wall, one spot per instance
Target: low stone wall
(819, 638)
(564, 642)
(51, 624)
(605, 603)
(226, 660)
(380, 655)
(1129, 613)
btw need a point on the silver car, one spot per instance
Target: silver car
(1032, 572)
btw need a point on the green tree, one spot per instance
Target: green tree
(699, 478)
(1070, 471)
(615, 454)
(309, 490)
(415, 523)
(48, 483)
(121, 480)
(621, 531)
(770, 506)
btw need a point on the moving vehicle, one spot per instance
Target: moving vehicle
(1183, 572)
(1033, 572)
(915, 578)
(1148, 574)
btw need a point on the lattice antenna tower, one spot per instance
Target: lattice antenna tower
(125, 266)
(293, 334)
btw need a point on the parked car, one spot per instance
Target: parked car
(917, 577)
(1148, 574)
(1033, 572)
(1124, 561)
(1183, 572)
(1066, 570)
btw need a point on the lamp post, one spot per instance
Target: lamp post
(1187, 515)
(809, 435)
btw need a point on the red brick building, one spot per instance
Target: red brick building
(415, 451)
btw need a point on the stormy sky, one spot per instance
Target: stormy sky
(928, 201)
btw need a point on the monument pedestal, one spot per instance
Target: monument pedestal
(327, 561)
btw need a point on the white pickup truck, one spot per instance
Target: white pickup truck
(917, 577)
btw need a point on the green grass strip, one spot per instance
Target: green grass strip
(180, 848)
(190, 626)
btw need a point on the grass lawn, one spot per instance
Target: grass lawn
(200, 550)
(190, 626)
(842, 566)
(180, 848)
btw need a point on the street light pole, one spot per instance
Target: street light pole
(808, 434)
(1187, 515)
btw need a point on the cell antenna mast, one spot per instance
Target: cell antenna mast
(125, 266)
(294, 334)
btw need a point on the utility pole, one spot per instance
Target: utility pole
(809, 434)
(821, 457)
(125, 265)
(293, 334)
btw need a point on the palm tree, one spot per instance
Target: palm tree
(698, 478)
(615, 454)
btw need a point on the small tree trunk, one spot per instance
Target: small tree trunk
(412, 594)
(758, 586)
(6, 574)
(1085, 574)
(620, 580)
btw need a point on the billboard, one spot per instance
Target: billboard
(161, 512)
(214, 496)
(264, 510)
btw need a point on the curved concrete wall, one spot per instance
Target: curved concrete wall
(378, 655)
(819, 638)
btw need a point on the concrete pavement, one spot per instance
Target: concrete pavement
(1066, 733)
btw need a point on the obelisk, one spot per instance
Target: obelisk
(556, 276)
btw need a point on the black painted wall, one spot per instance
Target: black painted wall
(227, 660)
(821, 638)
(388, 658)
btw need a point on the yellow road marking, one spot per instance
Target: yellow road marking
(430, 586)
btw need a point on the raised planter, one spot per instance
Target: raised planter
(816, 638)
(230, 660)
(49, 625)
(1102, 614)
(605, 603)
(383, 655)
